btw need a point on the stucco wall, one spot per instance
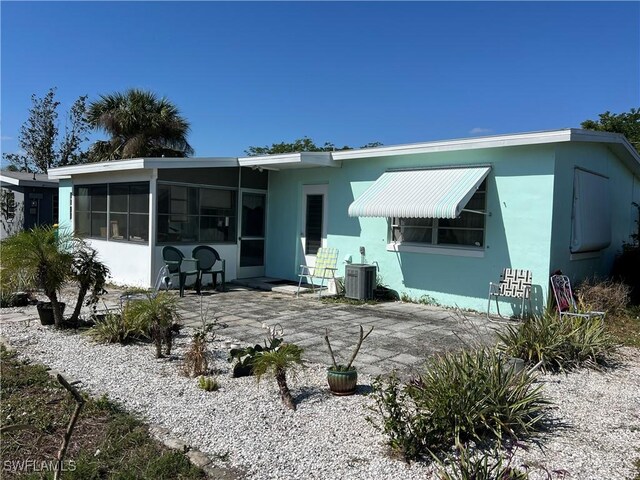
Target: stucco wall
(65, 189)
(518, 232)
(624, 188)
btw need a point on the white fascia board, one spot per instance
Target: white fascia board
(9, 180)
(532, 138)
(99, 167)
(27, 183)
(290, 160)
(143, 163)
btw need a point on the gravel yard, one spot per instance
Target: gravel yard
(245, 425)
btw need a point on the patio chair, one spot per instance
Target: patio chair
(324, 269)
(514, 283)
(181, 266)
(565, 301)
(209, 263)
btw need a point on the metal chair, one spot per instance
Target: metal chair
(209, 263)
(513, 283)
(324, 269)
(565, 301)
(181, 266)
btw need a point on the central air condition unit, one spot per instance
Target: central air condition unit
(359, 281)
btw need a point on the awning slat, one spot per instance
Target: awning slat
(429, 193)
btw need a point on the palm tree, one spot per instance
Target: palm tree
(44, 257)
(276, 363)
(140, 125)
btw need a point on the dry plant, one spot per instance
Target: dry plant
(196, 362)
(603, 296)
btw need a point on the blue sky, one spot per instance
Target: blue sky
(257, 73)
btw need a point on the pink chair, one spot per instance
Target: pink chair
(565, 301)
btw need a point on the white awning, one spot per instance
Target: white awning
(429, 193)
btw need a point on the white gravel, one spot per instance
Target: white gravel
(327, 437)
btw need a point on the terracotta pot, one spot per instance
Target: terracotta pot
(342, 383)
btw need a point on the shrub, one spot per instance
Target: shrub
(558, 343)
(195, 360)
(470, 395)
(208, 384)
(156, 315)
(117, 327)
(276, 363)
(491, 465)
(603, 296)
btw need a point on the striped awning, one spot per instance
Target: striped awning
(429, 193)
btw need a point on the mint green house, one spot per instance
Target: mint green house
(440, 219)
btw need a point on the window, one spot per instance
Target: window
(196, 214)
(124, 207)
(466, 230)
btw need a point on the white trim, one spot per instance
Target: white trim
(144, 163)
(435, 250)
(289, 160)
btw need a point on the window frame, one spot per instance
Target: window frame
(198, 216)
(434, 246)
(109, 211)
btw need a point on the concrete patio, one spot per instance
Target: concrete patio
(405, 334)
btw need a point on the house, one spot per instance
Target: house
(26, 200)
(440, 219)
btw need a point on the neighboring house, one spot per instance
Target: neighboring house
(439, 218)
(26, 200)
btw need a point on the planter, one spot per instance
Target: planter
(45, 312)
(342, 383)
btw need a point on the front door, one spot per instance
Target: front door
(252, 233)
(314, 221)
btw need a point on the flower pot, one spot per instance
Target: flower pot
(45, 312)
(342, 383)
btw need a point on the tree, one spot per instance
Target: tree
(140, 125)
(627, 123)
(303, 144)
(39, 136)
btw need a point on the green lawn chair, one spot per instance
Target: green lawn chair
(325, 268)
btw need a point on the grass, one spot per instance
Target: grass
(106, 443)
(625, 326)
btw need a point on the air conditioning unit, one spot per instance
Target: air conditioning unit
(359, 281)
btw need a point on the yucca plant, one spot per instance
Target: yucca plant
(286, 357)
(157, 315)
(43, 257)
(470, 395)
(479, 465)
(558, 343)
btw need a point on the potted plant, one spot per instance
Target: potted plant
(44, 258)
(343, 379)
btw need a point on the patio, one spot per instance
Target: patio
(405, 334)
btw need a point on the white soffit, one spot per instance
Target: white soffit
(431, 193)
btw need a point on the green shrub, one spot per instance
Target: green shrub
(488, 465)
(558, 343)
(471, 395)
(208, 384)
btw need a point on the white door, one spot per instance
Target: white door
(313, 233)
(253, 211)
